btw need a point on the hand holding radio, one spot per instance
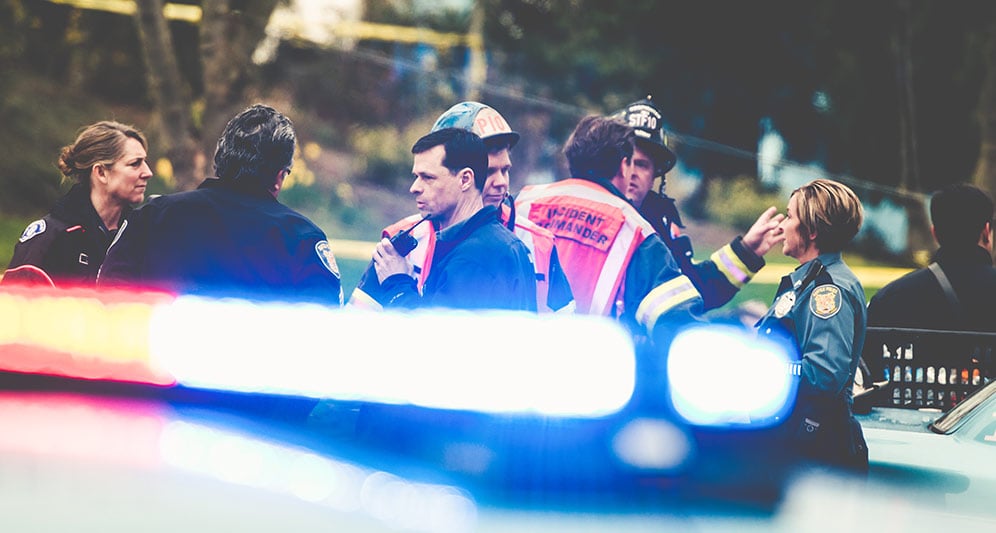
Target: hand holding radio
(404, 242)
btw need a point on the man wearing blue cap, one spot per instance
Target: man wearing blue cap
(553, 292)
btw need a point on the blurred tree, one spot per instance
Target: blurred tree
(825, 72)
(229, 33)
(168, 92)
(985, 168)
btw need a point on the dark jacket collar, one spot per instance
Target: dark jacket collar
(607, 185)
(459, 231)
(243, 188)
(76, 208)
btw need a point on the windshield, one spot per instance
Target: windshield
(960, 413)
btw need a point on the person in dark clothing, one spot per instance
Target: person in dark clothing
(961, 217)
(66, 247)
(478, 263)
(719, 278)
(230, 236)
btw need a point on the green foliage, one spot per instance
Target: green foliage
(737, 202)
(10, 230)
(386, 151)
(382, 151)
(39, 119)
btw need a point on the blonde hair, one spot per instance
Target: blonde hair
(831, 210)
(99, 143)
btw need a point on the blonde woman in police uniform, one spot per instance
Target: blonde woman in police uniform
(821, 307)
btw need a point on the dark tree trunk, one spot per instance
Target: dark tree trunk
(168, 93)
(228, 36)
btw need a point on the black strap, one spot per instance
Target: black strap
(942, 280)
(510, 223)
(815, 270)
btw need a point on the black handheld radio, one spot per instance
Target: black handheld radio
(403, 242)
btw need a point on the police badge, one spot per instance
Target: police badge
(324, 252)
(35, 228)
(825, 301)
(784, 304)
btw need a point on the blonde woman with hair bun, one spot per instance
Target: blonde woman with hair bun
(107, 164)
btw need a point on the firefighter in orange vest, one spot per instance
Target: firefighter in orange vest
(553, 292)
(616, 264)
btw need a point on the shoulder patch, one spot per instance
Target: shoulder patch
(324, 252)
(33, 229)
(825, 301)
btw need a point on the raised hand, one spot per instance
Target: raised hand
(765, 233)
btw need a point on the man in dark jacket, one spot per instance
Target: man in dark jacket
(478, 263)
(961, 218)
(230, 237)
(727, 270)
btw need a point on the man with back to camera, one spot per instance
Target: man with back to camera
(615, 263)
(720, 278)
(553, 293)
(230, 236)
(477, 263)
(956, 291)
(961, 221)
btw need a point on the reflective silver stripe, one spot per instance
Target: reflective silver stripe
(664, 298)
(613, 268)
(731, 266)
(362, 300)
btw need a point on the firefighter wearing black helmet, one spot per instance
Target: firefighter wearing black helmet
(729, 268)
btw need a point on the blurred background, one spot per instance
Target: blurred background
(895, 98)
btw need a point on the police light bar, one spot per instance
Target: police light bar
(496, 362)
(727, 376)
(80, 333)
(152, 437)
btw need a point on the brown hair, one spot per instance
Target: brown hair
(831, 210)
(99, 143)
(597, 146)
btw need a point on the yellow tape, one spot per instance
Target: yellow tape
(350, 29)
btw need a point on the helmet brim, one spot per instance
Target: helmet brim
(664, 158)
(510, 138)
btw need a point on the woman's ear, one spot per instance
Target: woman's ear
(98, 173)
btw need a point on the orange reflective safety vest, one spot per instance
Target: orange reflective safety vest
(540, 243)
(596, 235)
(420, 257)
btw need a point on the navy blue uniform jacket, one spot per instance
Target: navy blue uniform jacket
(478, 264)
(222, 241)
(916, 300)
(64, 248)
